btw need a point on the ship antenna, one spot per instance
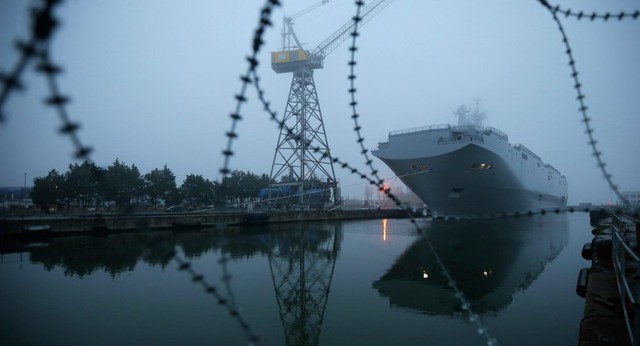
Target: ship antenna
(477, 116)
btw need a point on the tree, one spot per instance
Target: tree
(160, 184)
(197, 190)
(241, 184)
(83, 183)
(49, 190)
(123, 183)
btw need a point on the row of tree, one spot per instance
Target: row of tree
(87, 185)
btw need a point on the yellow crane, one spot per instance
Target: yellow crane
(303, 160)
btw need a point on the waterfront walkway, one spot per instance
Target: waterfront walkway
(611, 285)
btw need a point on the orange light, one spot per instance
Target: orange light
(384, 229)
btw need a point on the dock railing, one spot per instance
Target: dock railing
(629, 292)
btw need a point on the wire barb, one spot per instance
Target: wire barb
(581, 99)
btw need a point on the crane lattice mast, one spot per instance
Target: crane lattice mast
(301, 157)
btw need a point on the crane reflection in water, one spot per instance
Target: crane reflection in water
(489, 261)
(302, 262)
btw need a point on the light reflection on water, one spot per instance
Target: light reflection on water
(362, 282)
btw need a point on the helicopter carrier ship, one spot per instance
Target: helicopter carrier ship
(469, 170)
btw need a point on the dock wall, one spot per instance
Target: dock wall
(64, 225)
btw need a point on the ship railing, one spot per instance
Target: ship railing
(552, 168)
(419, 129)
(629, 293)
(497, 132)
(462, 138)
(463, 128)
(381, 143)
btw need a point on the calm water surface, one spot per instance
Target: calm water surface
(370, 282)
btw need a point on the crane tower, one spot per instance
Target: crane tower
(301, 157)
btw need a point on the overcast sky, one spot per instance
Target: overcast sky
(152, 83)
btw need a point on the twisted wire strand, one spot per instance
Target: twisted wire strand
(226, 278)
(352, 93)
(12, 81)
(234, 312)
(43, 25)
(258, 42)
(583, 107)
(59, 102)
(474, 318)
(465, 305)
(593, 15)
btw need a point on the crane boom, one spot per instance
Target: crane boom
(293, 57)
(287, 29)
(309, 9)
(332, 42)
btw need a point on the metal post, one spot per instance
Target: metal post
(636, 293)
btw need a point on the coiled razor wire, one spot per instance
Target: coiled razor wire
(592, 16)
(43, 24)
(578, 86)
(228, 304)
(465, 305)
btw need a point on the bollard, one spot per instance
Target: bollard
(587, 251)
(581, 285)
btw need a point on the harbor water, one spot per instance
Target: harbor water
(372, 282)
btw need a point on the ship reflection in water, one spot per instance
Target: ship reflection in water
(489, 261)
(298, 284)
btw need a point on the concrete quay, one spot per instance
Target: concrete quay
(105, 223)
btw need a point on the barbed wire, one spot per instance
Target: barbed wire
(583, 107)
(376, 181)
(257, 43)
(458, 294)
(591, 16)
(227, 303)
(352, 93)
(44, 23)
(59, 102)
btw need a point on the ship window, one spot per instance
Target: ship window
(524, 156)
(423, 166)
(459, 137)
(413, 166)
(482, 166)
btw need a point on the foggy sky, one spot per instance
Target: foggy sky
(152, 83)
